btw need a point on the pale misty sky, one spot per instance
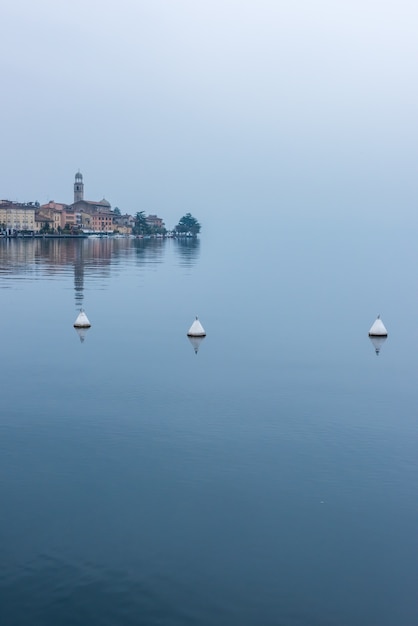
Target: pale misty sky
(233, 107)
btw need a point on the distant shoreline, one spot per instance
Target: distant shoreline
(95, 236)
(43, 236)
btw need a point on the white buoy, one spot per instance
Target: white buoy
(378, 329)
(196, 329)
(82, 321)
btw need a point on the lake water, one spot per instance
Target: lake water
(270, 478)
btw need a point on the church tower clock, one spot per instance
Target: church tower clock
(78, 187)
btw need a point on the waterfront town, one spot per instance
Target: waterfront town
(84, 217)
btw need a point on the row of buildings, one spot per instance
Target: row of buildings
(80, 216)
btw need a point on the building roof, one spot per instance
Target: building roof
(102, 203)
(43, 217)
(7, 204)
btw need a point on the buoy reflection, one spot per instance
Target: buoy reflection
(81, 332)
(377, 343)
(196, 341)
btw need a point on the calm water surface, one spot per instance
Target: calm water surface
(268, 478)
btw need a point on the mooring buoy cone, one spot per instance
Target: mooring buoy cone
(378, 329)
(82, 321)
(377, 342)
(196, 329)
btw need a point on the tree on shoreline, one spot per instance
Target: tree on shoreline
(188, 224)
(46, 229)
(141, 226)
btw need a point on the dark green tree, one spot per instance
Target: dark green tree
(116, 210)
(188, 224)
(141, 226)
(46, 229)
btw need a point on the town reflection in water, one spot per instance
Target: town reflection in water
(188, 249)
(90, 257)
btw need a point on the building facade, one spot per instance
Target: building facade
(155, 223)
(15, 216)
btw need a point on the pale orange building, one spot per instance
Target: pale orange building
(102, 221)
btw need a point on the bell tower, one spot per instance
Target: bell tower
(78, 187)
